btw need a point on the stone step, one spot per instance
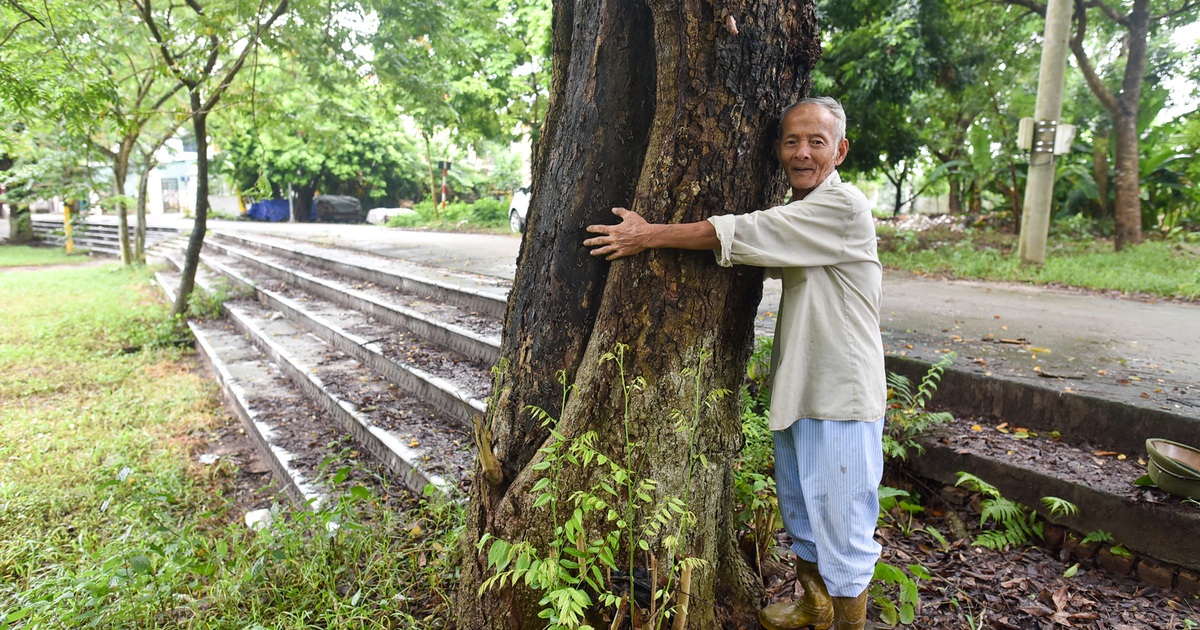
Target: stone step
(287, 275)
(449, 383)
(247, 379)
(354, 381)
(440, 323)
(482, 294)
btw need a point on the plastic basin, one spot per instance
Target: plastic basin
(1174, 484)
(1178, 459)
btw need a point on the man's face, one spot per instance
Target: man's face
(807, 149)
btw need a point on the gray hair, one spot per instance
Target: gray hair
(828, 103)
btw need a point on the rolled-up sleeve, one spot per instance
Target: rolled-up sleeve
(825, 228)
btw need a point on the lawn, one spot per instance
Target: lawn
(106, 518)
(28, 256)
(1156, 267)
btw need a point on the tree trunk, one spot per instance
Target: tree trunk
(697, 142)
(1122, 106)
(1128, 207)
(1100, 173)
(143, 192)
(432, 182)
(303, 202)
(120, 174)
(20, 224)
(187, 276)
(954, 198)
(898, 183)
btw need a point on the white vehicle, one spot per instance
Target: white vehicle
(518, 209)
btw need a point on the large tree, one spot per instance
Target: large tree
(670, 109)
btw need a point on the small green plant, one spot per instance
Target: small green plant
(907, 417)
(1014, 524)
(1098, 536)
(599, 534)
(974, 622)
(1059, 508)
(208, 304)
(891, 578)
(897, 508)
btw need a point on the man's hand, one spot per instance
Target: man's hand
(630, 236)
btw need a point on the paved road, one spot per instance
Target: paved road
(1145, 353)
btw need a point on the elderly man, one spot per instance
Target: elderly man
(828, 386)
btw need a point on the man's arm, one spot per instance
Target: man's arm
(633, 235)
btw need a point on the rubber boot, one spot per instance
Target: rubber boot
(815, 608)
(850, 613)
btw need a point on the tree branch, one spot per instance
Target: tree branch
(16, 26)
(1107, 10)
(241, 60)
(20, 9)
(1033, 5)
(148, 18)
(1184, 8)
(1103, 94)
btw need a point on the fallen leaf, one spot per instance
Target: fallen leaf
(976, 428)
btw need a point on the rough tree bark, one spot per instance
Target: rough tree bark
(670, 109)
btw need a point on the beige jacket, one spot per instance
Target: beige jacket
(827, 362)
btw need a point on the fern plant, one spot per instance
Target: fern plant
(599, 532)
(907, 417)
(1013, 525)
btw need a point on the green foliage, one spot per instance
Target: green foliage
(345, 143)
(480, 69)
(1012, 524)
(1059, 507)
(108, 523)
(30, 256)
(484, 213)
(1157, 267)
(907, 418)
(599, 532)
(209, 304)
(888, 578)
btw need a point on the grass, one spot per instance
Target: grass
(29, 256)
(107, 521)
(1169, 269)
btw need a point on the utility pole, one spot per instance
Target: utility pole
(1039, 187)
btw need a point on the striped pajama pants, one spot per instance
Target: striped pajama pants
(827, 475)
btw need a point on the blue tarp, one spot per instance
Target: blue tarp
(269, 210)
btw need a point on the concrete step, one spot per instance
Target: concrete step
(448, 382)
(247, 377)
(98, 238)
(442, 324)
(353, 381)
(482, 294)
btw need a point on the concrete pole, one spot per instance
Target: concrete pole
(1039, 187)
